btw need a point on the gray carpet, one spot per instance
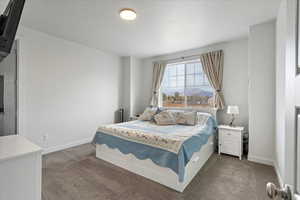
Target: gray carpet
(76, 174)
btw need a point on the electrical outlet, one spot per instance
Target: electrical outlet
(45, 137)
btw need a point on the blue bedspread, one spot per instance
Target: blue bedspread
(161, 157)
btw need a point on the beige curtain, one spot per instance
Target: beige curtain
(158, 74)
(212, 64)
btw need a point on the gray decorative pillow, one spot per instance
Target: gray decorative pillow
(186, 118)
(148, 114)
(165, 118)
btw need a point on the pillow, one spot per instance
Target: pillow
(174, 111)
(186, 118)
(165, 118)
(148, 114)
(202, 117)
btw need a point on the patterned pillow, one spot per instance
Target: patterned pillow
(165, 118)
(186, 118)
(148, 114)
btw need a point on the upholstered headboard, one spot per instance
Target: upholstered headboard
(210, 110)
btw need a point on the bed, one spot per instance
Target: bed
(170, 155)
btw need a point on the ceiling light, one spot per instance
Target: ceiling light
(128, 14)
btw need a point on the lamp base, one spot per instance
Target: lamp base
(232, 120)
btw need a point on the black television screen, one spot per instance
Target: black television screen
(9, 22)
(1, 93)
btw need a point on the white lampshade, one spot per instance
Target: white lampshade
(233, 110)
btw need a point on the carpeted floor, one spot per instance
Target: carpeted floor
(76, 174)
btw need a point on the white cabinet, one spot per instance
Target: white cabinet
(231, 140)
(20, 169)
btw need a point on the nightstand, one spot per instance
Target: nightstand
(231, 140)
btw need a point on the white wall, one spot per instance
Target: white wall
(281, 35)
(235, 80)
(262, 92)
(65, 90)
(135, 85)
(131, 67)
(126, 89)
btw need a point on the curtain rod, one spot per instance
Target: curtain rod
(173, 60)
(181, 58)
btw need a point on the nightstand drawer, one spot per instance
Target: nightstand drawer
(230, 135)
(230, 147)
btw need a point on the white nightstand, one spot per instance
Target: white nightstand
(231, 140)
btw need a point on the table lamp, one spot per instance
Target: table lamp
(232, 110)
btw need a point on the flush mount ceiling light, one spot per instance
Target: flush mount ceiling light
(128, 14)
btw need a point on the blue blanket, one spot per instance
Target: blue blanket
(161, 157)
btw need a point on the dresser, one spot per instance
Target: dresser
(231, 140)
(20, 169)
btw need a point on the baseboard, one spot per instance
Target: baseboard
(66, 146)
(265, 161)
(279, 177)
(261, 160)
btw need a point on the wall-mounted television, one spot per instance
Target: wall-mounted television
(9, 22)
(1, 93)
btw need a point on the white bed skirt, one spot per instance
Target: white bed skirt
(148, 169)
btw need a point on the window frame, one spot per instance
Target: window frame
(185, 63)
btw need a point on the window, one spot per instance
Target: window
(186, 85)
